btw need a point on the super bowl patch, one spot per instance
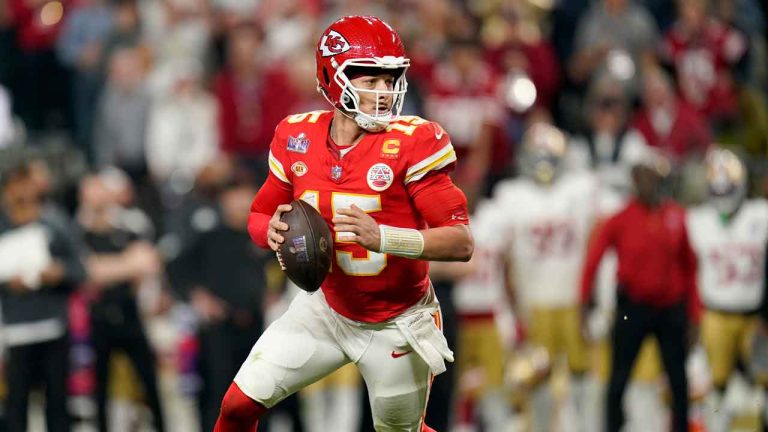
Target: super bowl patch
(299, 248)
(298, 144)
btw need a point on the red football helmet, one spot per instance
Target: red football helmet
(361, 41)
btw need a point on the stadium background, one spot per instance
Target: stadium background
(173, 103)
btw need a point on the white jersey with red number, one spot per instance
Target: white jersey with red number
(481, 292)
(547, 230)
(375, 175)
(731, 255)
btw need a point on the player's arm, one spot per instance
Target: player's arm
(601, 240)
(447, 239)
(264, 220)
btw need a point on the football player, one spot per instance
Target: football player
(381, 182)
(549, 214)
(729, 234)
(479, 295)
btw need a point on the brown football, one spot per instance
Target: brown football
(308, 247)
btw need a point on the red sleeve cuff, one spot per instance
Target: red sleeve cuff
(258, 223)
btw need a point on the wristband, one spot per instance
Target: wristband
(405, 242)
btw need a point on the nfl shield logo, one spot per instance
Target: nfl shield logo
(336, 173)
(298, 144)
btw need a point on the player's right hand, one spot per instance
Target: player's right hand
(275, 226)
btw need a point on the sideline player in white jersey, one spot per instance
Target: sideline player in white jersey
(729, 234)
(548, 217)
(479, 297)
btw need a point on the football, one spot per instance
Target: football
(308, 246)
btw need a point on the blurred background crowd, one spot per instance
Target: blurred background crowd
(134, 134)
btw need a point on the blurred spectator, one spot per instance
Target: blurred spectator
(7, 129)
(41, 91)
(299, 78)
(121, 258)
(461, 96)
(253, 95)
(225, 283)
(289, 25)
(607, 144)
(564, 19)
(667, 123)
(40, 266)
(522, 50)
(461, 93)
(125, 31)
(656, 292)
(195, 214)
(122, 116)
(703, 51)
(178, 29)
(181, 134)
(615, 36)
(748, 16)
(531, 77)
(81, 48)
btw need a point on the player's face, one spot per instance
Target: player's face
(647, 184)
(375, 92)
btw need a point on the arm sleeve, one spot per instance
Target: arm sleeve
(690, 263)
(69, 249)
(601, 242)
(272, 193)
(278, 189)
(438, 188)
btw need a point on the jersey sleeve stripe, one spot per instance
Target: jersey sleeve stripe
(437, 164)
(448, 148)
(277, 168)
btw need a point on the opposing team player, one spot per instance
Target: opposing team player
(729, 234)
(549, 216)
(381, 182)
(479, 297)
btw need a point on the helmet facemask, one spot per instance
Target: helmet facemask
(350, 99)
(544, 149)
(726, 182)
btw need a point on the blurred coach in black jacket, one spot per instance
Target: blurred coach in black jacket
(34, 300)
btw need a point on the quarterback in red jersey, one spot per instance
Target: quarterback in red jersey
(381, 182)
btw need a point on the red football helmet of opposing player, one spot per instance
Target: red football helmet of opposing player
(355, 42)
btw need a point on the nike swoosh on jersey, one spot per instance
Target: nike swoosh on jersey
(398, 355)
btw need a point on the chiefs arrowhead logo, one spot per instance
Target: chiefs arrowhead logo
(333, 43)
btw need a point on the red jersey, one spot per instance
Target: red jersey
(379, 174)
(702, 62)
(657, 265)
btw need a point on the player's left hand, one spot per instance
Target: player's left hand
(362, 228)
